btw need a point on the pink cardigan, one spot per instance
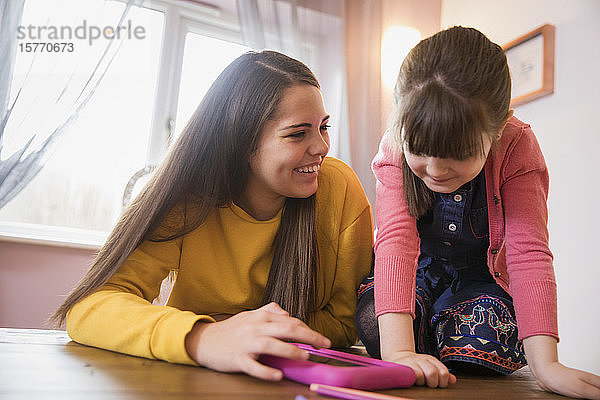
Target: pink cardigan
(518, 257)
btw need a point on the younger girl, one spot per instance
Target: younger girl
(463, 273)
(269, 238)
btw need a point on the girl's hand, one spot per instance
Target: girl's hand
(397, 345)
(428, 369)
(555, 377)
(234, 345)
(542, 357)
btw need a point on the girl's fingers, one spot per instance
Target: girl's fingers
(258, 370)
(275, 347)
(295, 330)
(590, 392)
(421, 369)
(592, 379)
(274, 308)
(452, 379)
(590, 386)
(264, 315)
(443, 377)
(419, 375)
(431, 374)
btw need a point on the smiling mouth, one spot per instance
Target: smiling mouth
(308, 169)
(439, 180)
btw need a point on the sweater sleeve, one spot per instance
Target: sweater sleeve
(120, 316)
(528, 258)
(355, 251)
(397, 242)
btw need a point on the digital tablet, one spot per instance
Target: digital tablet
(336, 368)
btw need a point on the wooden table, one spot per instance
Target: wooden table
(45, 364)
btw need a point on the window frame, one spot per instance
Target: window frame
(180, 17)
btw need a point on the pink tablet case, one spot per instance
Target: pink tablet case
(369, 374)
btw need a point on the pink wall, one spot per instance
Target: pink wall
(34, 279)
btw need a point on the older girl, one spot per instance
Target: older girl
(268, 236)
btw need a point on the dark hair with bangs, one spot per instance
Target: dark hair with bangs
(453, 89)
(206, 168)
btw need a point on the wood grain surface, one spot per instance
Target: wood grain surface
(46, 364)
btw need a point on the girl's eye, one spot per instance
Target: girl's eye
(325, 127)
(296, 134)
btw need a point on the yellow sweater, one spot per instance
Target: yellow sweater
(222, 268)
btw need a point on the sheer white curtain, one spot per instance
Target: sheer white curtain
(313, 32)
(52, 85)
(10, 18)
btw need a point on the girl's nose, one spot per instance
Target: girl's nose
(436, 167)
(319, 144)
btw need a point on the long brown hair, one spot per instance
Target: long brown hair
(452, 89)
(207, 168)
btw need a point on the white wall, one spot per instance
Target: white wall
(567, 124)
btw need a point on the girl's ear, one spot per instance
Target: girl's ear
(510, 114)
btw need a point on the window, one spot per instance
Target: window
(199, 71)
(77, 196)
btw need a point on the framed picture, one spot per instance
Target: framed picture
(531, 61)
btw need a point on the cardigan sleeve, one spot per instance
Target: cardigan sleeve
(397, 241)
(120, 315)
(524, 193)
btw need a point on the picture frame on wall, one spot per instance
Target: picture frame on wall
(531, 62)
